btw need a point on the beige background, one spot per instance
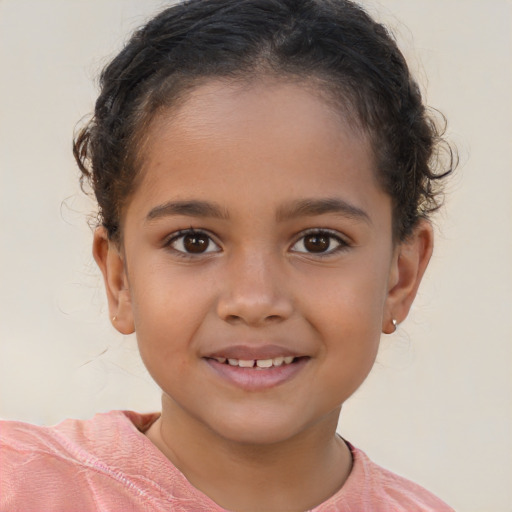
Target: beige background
(437, 407)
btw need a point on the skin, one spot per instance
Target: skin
(256, 152)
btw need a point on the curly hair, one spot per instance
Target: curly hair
(333, 44)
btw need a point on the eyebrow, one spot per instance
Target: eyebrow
(300, 208)
(192, 208)
(314, 207)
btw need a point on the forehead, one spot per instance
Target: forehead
(264, 135)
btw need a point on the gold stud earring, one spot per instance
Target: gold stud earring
(114, 318)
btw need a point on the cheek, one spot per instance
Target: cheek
(345, 307)
(168, 307)
(351, 296)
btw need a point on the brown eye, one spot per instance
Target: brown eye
(193, 242)
(196, 243)
(317, 243)
(321, 242)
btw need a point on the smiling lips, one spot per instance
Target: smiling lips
(256, 368)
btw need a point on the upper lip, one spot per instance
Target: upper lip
(248, 353)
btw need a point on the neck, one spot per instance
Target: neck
(297, 473)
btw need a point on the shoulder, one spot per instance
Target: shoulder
(71, 439)
(105, 463)
(372, 488)
(74, 461)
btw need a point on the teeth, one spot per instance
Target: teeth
(259, 363)
(264, 363)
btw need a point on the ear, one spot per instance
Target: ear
(409, 264)
(112, 265)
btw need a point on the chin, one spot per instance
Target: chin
(260, 436)
(258, 429)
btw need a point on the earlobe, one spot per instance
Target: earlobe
(112, 265)
(409, 265)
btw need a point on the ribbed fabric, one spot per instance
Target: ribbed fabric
(107, 464)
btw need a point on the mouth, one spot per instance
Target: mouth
(249, 372)
(258, 364)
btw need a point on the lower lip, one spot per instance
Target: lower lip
(254, 379)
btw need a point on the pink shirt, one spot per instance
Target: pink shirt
(107, 464)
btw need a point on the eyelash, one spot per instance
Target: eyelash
(343, 244)
(181, 234)
(327, 233)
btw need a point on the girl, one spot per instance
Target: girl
(264, 171)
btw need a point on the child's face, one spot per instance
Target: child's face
(291, 254)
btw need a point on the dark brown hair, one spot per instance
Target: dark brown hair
(332, 43)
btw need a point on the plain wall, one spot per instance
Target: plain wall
(437, 408)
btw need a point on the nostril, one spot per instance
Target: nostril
(237, 318)
(253, 309)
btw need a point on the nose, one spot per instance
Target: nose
(253, 291)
